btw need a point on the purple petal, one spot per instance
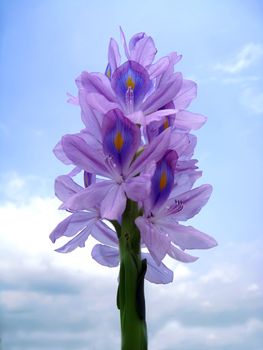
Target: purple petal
(180, 255)
(173, 59)
(153, 151)
(102, 233)
(121, 138)
(143, 51)
(189, 150)
(131, 83)
(179, 142)
(157, 274)
(137, 117)
(123, 40)
(193, 201)
(163, 94)
(187, 237)
(72, 99)
(188, 120)
(65, 187)
(90, 197)
(158, 68)
(134, 39)
(138, 188)
(90, 117)
(100, 103)
(105, 255)
(163, 179)
(114, 203)
(82, 154)
(77, 241)
(114, 56)
(96, 83)
(71, 225)
(75, 171)
(186, 94)
(158, 115)
(157, 243)
(60, 154)
(184, 182)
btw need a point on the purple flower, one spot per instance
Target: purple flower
(79, 225)
(136, 146)
(127, 177)
(159, 227)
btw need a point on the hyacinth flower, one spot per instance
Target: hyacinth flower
(135, 154)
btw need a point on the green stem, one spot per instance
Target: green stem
(130, 297)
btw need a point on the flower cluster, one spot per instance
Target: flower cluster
(136, 146)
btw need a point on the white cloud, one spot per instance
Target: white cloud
(252, 99)
(247, 56)
(174, 335)
(68, 300)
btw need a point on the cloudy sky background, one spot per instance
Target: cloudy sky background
(54, 301)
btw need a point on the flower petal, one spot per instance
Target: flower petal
(78, 241)
(173, 59)
(90, 197)
(114, 203)
(193, 201)
(114, 56)
(163, 94)
(184, 182)
(71, 225)
(157, 243)
(105, 255)
(121, 138)
(158, 68)
(65, 187)
(90, 117)
(158, 115)
(180, 255)
(163, 179)
(124, 43)
(138, 187)
(188, 120)
(187, 237)
(131, 83)
(60, 154)
(144, 51)
(134, 39)
(152, 152)
(157, 274)
(82, 154)
(186, 94)
(104, 234)
(100, 103)
(96, 83)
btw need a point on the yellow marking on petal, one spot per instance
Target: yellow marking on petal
(163, 180)
(108, 73)
(118, 141)
(130, 83)
(166, 123)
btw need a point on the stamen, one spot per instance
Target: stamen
(175, 208)
(129, 100)
(112, 167)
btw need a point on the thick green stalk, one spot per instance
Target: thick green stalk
(130, 297)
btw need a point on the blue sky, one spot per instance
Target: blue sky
(44, 46)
